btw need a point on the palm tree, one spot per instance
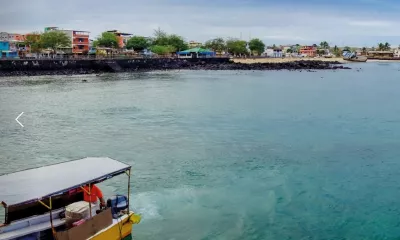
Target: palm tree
(324, 45)
(364, 50)
(381, 47)
(386, 46)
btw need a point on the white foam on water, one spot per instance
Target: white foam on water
(145, 204)
(154, 205)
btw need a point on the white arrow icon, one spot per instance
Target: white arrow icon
(18, 121)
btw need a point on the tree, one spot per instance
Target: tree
(381, 46)
(324, 45)
(177, 42)
(364, 50)
(33, 42)
(162, 50)
(315, 45)
(158, 33)
(237, 47)
(256, 45)
(289, 50)
(336, 51)
(107, 39)
(387, 46)
(346, 48)
(137, 43)
(95, 43)
(161, 38)
(321, 51)
(55, 40)
(216, 44)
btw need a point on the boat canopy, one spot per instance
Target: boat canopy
(37, 183)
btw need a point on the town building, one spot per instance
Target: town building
(16, 37)
(122, 38)
(309, 51)
(194, 44)
(79, 40)
(396, 52)
(3, 36)
(4, 48)
(380, 54)
(5, 51)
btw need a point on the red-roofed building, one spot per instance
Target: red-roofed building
(310, 51)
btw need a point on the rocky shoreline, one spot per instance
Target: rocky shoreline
(156, 65)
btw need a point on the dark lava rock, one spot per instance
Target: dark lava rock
(144, 65)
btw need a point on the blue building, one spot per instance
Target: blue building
(5, 50)
(4, 47)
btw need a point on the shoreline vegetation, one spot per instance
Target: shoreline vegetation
(73, 67)
(55, 42)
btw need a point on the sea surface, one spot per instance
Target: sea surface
(229, 155)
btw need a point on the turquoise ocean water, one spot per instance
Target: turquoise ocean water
(223, 154)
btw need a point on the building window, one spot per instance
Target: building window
(80, 46)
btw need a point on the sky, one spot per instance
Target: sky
(339, 22)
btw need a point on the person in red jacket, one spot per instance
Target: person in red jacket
(95, 193)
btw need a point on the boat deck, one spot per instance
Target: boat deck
(30, 229)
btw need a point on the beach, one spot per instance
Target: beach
(282, 60)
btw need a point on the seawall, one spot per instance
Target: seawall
(106, 65)
(22, 67)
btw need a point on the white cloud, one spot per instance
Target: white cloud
(284, 37)
(275, 23)
(372, 23)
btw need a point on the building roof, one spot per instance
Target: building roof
(116, 31)
(37, 183)
(195, 50)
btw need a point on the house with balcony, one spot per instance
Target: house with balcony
(79, 41)
(309, 51)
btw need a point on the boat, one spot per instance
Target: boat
(38, 202)
(351, 56)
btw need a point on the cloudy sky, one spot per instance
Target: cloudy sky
(340, 22)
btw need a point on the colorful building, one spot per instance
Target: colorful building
(122, 38)
(79, 40)
(310, 51)
(5, 51)
(16, 37)
(4, 46)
